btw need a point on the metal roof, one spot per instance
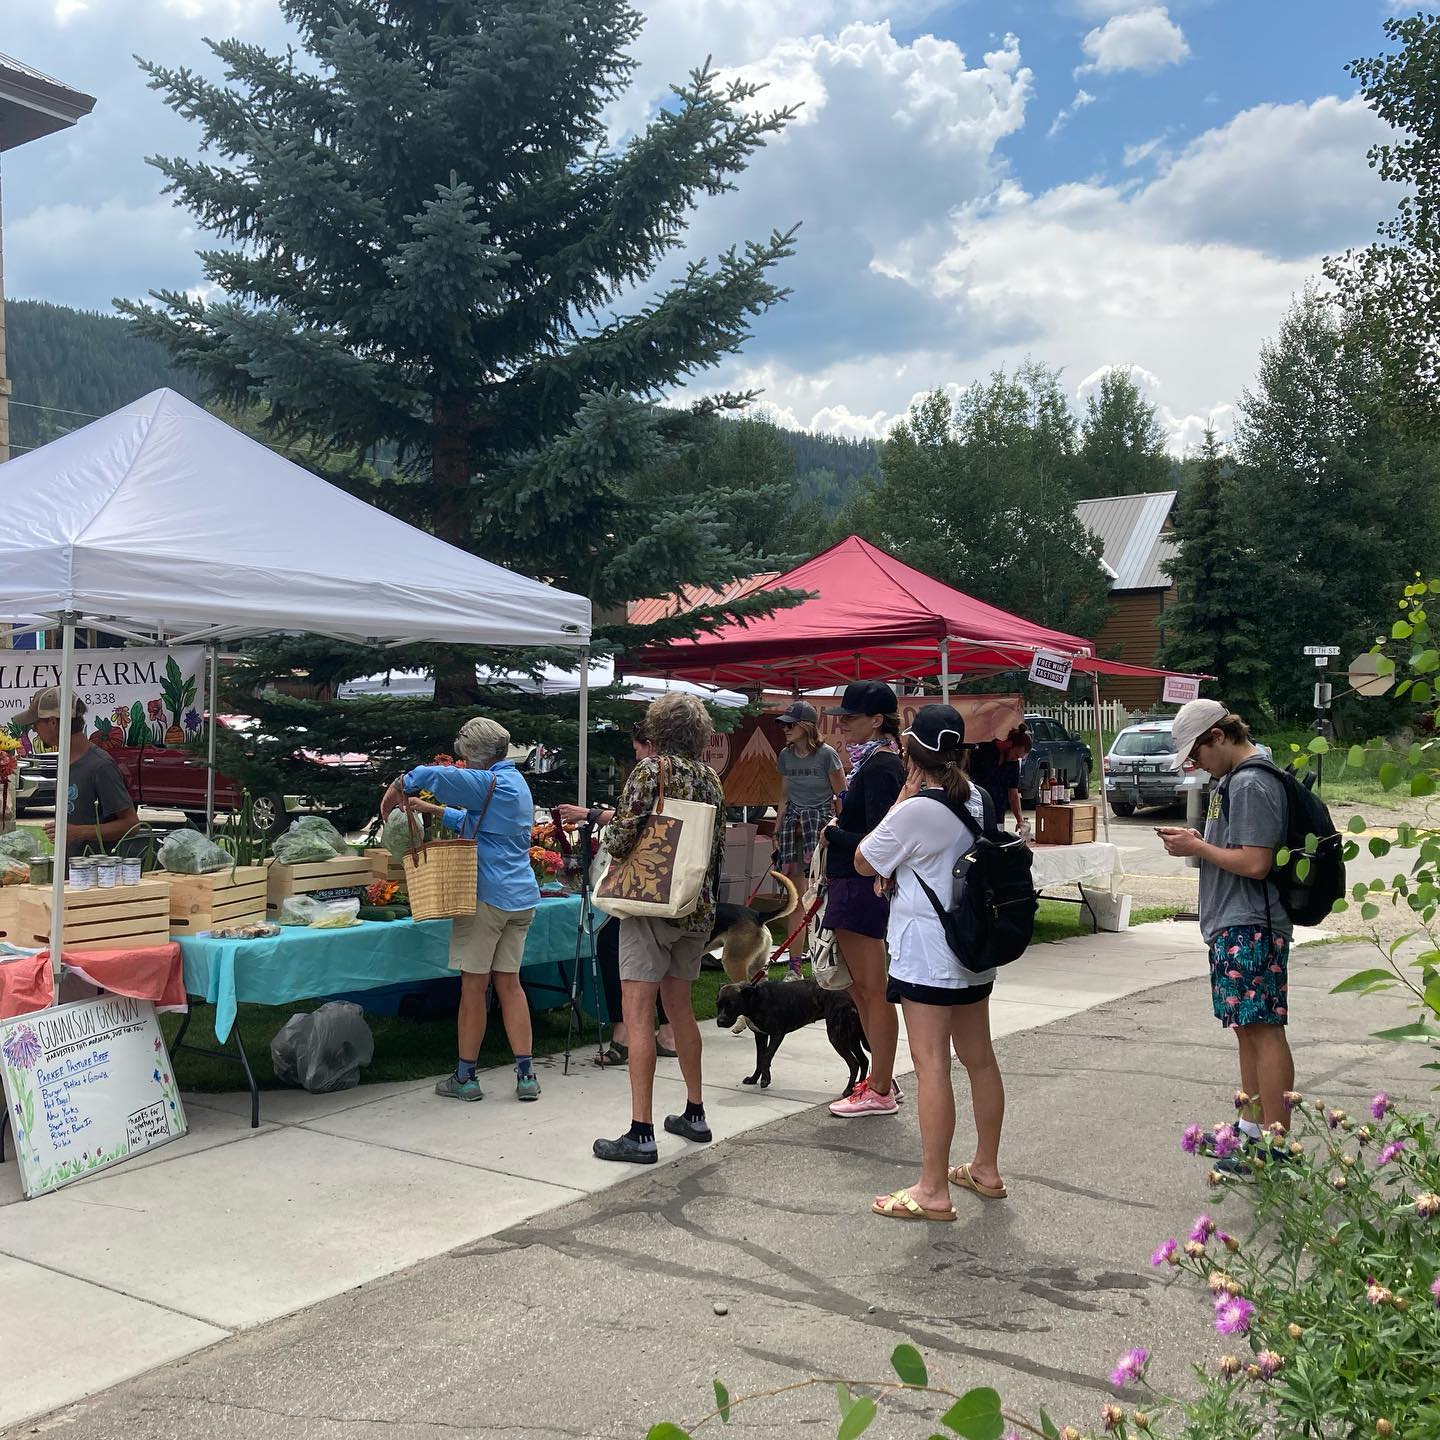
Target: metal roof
(695, 597)
(1132, 530)
(33, 104)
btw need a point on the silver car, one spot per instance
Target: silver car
(1143, 769)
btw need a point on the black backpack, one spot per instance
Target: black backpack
(1312, 877)
(992, 921)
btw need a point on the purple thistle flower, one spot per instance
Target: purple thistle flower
(1435, 1290)
(1390, 1152)
(1165, 1255)
(1202, 1229)
(1268, 1362)
(1226, 1141)
(1380, 1106)
(1130, 1367)
(1233, 1314)
(22, 1048)
(1190, 1141)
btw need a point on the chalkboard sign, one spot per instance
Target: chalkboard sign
(86, 1085)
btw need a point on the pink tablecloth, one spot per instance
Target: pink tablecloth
(153, 973)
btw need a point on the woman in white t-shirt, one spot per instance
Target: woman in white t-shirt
(943, 1003)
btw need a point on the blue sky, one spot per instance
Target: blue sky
(1094, 183)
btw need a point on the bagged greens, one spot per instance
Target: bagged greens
(395, 837)
(22, 845)
(188, 852)
(320, 827)
(300, 847)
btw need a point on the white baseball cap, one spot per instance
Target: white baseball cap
(1193, 720)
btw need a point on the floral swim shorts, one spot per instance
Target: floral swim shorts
(1249, 976)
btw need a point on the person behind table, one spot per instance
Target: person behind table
(489, 800)
(811, 779)
(995, 768)
(1241, 917)
(607, 936)
(663, 956)
(100, 810)
(853, 910)
(943, 1003)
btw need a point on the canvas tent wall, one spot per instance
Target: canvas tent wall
(161, 523)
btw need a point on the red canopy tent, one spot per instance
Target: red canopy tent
(870, 617)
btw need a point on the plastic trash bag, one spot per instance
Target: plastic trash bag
(301, 847)
(324, 1050)
(188, 852)
(13, 872)
(319, 914)
(320, 827)
(21, 845)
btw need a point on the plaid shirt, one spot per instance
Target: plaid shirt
(684, 780)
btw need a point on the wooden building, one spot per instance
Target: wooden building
(1137, 534)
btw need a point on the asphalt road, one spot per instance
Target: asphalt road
(601, 1319)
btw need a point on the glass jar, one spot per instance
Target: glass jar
(129, 872)
(82, 873)
(107, 869)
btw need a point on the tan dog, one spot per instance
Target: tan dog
(744, 940)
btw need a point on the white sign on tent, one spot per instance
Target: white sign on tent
(1180, 689)
(1050, 669)
(134, 696)
(86, 1085)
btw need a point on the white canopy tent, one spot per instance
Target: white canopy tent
(162, 524)
(552, 681)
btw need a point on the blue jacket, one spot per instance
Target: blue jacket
(502, 839)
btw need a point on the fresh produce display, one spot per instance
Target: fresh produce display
(188, 852)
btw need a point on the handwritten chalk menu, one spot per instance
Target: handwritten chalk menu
(86, 1085)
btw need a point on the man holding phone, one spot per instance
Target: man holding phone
(1241, 917)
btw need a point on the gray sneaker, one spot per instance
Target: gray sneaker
(527, 1087)
(455, 1088)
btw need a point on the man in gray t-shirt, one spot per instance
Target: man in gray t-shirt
(1241, 917)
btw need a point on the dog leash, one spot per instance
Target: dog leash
(804, 921)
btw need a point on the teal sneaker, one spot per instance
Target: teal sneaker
(455, 1088)
(527, 1087)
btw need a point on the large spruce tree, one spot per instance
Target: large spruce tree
(435, 260)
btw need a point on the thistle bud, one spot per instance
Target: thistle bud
(1113, 1416)
(1294, 1331)
(1348, 1161)
(1384, 1427)
(1194, 1249)
(1339, 1182)
(1229, 1365)
(1252, 1371)
(1140, 1420)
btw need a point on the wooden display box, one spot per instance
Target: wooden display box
(125, 917)
(1072, 824)
(10, 914)
(384, 866)
(343, 878)
(226, 897)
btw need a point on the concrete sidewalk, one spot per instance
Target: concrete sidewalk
(231, 1228)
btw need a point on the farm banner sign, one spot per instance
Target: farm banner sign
(131, 697)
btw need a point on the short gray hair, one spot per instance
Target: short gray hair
(483, 740)
(679, 725)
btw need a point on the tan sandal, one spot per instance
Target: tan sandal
(962, 1177)
(901, 1205)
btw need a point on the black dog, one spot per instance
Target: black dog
(776, 1007)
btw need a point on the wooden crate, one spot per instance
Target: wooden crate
(10, 914)
(1065, 824)
(384, 866)
(345, 876)
(125, 917)
(227, 897)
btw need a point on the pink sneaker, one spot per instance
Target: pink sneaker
(864, 1101)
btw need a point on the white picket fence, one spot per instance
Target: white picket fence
(1080, 719)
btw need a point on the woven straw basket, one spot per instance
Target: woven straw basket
(440, 875)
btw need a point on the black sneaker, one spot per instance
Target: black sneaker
(696, 1130)
(1240, 1166)
(625, 1148)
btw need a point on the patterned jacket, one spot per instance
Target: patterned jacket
(684, 780)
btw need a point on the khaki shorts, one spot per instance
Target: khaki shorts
(490, 939)
(655, 950)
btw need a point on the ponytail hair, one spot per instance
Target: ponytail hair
(946, 767)
(890, 725)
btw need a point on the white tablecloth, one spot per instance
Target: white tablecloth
(1072, 864)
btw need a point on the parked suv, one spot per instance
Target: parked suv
(1067, 757)
(1143, 769)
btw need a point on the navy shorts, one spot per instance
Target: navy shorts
(852, 904)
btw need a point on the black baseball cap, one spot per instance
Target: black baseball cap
(866, 697)
(799, 713)
(937, 727)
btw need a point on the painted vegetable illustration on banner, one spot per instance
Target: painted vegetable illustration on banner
(178, 691)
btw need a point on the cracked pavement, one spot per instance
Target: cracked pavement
(598, 1319)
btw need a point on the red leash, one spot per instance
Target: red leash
(804, 921)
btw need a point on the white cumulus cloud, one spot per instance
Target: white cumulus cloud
(1145, 39)
(1061, 120)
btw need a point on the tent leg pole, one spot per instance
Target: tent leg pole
(582, 790)
(945, 669)
(211, 691)
(62, 803)
(1100, 756)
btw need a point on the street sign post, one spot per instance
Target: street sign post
(1322, 649)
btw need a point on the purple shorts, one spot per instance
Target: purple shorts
(852, 904)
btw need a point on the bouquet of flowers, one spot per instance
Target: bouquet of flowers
(9, 745)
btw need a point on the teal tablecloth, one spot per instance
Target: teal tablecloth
(300, 964)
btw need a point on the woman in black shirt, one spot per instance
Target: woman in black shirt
(854, 910)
